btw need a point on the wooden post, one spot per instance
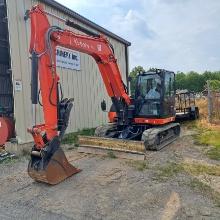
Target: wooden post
(209, 102)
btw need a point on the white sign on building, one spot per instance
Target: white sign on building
(66, 58)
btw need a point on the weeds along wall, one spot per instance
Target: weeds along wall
(85, 85)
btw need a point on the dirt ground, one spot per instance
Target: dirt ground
(109, 188)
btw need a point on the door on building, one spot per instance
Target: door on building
(6, 86)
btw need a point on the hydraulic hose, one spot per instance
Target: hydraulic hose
(34, 78)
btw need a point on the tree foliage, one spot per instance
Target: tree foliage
(133, 75)
(215, 85)
(192, 80)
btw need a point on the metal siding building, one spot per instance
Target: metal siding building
(86, 85)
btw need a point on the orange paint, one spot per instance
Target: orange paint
(112, 116)
(154, 121)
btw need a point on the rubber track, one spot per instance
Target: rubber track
(150, 136)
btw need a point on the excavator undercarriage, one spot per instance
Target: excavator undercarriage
(105, 141)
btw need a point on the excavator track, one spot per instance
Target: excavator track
(158, 137)
(102, 130)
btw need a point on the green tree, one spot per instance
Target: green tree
(181, 80)
(194, 81)
(215, 84)
(133, 76)
(207, 75)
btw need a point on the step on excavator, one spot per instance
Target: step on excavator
(147, 118)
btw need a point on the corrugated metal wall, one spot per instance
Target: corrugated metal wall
(85, 86)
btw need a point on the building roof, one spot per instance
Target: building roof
(84, 20)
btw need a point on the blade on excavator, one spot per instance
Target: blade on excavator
(51, 169)
(121, 148)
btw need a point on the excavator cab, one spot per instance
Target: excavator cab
(155, 94)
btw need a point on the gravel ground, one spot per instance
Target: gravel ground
(110, 188)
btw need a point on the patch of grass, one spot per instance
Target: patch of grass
(138, 165)
(190, 124)
(169, 170)
(209, 137)
(9, 160)
(111, 154)
(205, 189)
(72, 138)
(196, 184)
(198, 169)
(214, 153)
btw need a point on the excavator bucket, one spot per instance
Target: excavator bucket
(51, 169)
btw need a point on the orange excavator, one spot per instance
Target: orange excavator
(148, 116)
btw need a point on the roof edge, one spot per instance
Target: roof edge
(84, 20)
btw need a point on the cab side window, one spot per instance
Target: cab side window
(169, 85)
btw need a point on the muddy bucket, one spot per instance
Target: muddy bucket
(51, 168)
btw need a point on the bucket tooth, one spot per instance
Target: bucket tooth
(55, 171)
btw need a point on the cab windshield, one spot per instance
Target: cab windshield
(148, 95)
(149, 87)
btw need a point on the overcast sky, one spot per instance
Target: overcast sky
(179, 35)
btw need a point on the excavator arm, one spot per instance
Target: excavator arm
(44, 40)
